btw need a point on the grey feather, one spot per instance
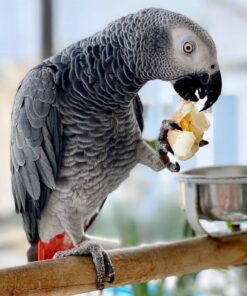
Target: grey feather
(34, 142)
(19, 137)
(35, 121)
(33, 118)
(40, 109)
(17, 199)
(45, 170)
(25, 126)
(30, 179)
(19, 155)
(48, 147)
(20, 192)
(14, 163)
(138, 109)
(31, 153)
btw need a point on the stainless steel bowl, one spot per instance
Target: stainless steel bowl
(214, 193)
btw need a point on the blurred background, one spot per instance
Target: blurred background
(145, 208)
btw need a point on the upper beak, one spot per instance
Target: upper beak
(206, 85)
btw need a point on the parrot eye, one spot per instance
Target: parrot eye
(188, 47)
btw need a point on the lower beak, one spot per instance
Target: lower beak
(207, 86)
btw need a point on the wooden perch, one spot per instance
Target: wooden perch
(77, 275)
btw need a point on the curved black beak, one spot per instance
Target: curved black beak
(206, 85)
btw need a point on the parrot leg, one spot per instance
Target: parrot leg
(155, 160)
(102, 261)
(162, 141)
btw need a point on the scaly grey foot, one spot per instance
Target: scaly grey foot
(102, 261)
(163, 147)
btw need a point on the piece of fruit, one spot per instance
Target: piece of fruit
(194, 123)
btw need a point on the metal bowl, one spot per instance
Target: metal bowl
(215, 193)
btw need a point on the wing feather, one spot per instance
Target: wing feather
(45, 170)
(30, 178)
(138, 109)
(36, 145)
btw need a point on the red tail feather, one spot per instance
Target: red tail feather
(48, 250)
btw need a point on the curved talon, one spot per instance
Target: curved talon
(174, 167)
(203, 143)
(112, 277)
(109, 267)
(174, 125)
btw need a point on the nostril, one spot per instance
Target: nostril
(212, 66)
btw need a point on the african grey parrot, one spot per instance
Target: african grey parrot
(77, 124)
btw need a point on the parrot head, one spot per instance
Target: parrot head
(182, 52)
(194, 54)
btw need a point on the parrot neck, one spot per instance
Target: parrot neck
(100, 76)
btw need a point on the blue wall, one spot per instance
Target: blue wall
(226, 130)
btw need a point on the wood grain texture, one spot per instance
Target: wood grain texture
(132, 265)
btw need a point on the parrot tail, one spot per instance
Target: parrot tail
(58, 243)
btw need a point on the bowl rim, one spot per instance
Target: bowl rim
(190, 175)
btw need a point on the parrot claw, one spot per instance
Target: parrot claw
(167, 125)
(203, 143)
(163, 147)
(174, 167)
(101, 259)
(163, 144)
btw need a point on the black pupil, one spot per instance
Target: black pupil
(188, 48)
